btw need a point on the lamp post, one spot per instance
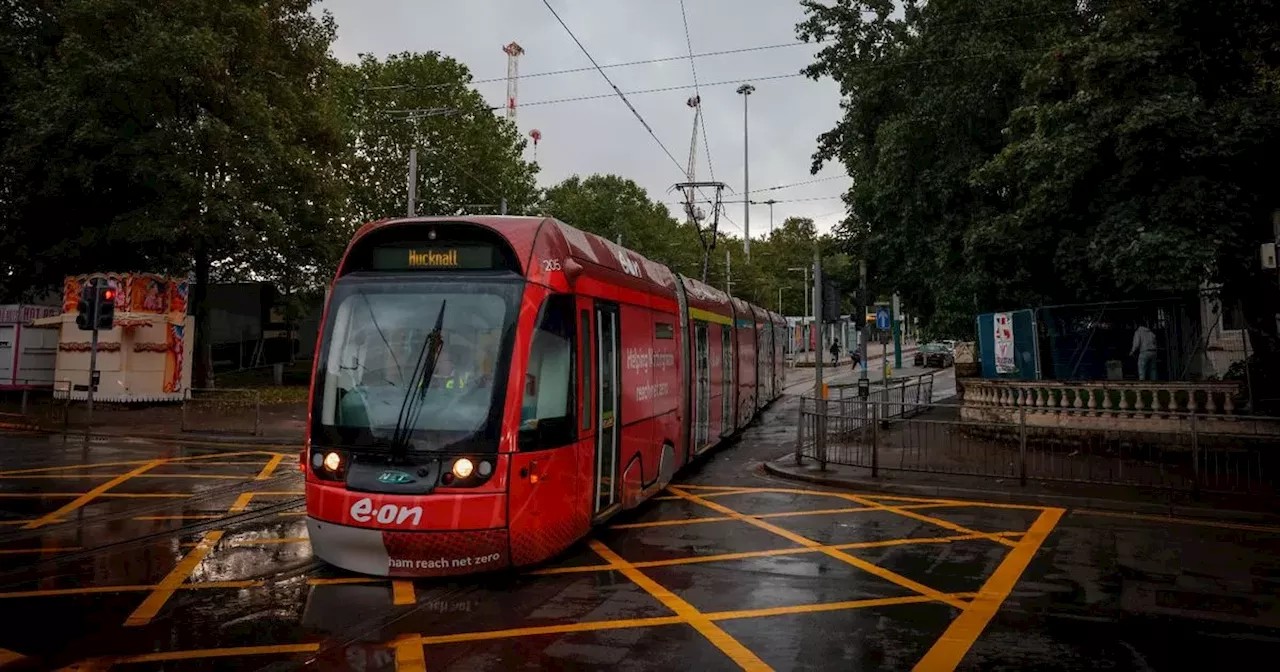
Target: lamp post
(746, 90)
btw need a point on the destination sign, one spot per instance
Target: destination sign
(433, 258)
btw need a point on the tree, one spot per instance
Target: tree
(469, 159)
(175, 136)
(611, 206)
(927, 94)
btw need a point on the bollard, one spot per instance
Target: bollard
(820, 433)
(257, 412)
(800, 435)
(1022, 446)
(183, 427)
(875, 440)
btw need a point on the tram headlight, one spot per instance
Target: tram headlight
(462, 467)
(485, 468)
(317, 460)
(332, 461)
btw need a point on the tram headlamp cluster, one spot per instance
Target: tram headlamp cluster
(329, 464)
(466, 471)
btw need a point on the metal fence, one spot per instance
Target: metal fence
(223, 410)
(875, 435)
(209, 411)
(847, 413)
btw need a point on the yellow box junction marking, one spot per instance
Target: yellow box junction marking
(409, 654)
(946, 524)
(950, 649)
(834, 553)
(271, 467)
(151, 606)
(722, 640)
(402, 592)
(89, 496)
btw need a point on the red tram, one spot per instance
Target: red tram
(488, 388)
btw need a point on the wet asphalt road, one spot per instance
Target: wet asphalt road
(194, 558)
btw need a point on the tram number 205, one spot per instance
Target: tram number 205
(550, 265)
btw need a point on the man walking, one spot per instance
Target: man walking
(1144, 346)
(835, 350)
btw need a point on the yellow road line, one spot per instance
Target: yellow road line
(747, 555)
(292, 513)
(151, 606)
(89, 496)
(241, 503)
(13, 551)
(409, 655)
(222, 653)
(834, 553)
(668, 523)
(722, 640)
(402, 592)
(945, 524)
(959, 502)
(587, 626)
(950, 649)
(271, 467)
(7, 656)
(146, 495)
(218, 456)
(1184, 521)
(827, 606)
(68, 467)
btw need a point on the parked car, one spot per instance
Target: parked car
(935, 356)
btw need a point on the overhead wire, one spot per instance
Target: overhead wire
(616, 90)
(693, 65)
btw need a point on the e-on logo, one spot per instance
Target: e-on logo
(394, 477)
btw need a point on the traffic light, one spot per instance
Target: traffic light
(830, 300)
(86, 307)
(105, 315)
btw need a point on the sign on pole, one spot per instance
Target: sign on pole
(882, 318)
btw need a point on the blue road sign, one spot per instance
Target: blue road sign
(882, 318)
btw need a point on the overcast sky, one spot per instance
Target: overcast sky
(602, 135)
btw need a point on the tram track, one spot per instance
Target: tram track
(44, 565)
(238, 488)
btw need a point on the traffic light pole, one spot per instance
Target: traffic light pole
(93, 367)
(864, 385)
(897, 333)
(820, 399)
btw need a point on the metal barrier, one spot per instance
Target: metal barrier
(223, 410)
(849, 414)
(872, 434)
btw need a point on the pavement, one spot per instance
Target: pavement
(138, 554)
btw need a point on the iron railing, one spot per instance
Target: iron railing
(1179, 454)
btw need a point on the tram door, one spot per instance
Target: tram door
(702, 358)
(726, 380)
(607, 404)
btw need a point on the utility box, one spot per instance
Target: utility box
(28, 356)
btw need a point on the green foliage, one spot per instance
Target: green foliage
(1018, 153)
(612, 206)
(469, 159)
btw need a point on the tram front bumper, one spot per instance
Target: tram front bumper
(409, 554)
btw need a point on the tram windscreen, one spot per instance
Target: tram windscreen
(375, 356)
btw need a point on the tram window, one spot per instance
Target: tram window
(547, 412)
(663, 330)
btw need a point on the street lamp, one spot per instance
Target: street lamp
(746, 90)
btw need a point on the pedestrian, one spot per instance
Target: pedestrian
(1144, 347)
(835, 350)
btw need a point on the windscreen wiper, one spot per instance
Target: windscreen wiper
(423, 370)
